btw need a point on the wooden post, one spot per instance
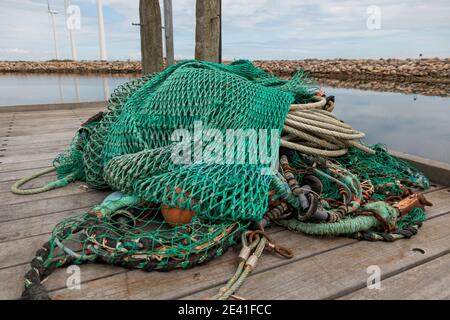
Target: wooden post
(151, 36)
(207, 30)
(168, 31)
(220, 31)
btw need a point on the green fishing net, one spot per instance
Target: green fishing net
(137, 236)
(375, 182)
(131, 149)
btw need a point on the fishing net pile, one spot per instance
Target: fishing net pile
(180, 200)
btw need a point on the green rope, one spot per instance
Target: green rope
(245, 267)
(346, 226)
(47, 187)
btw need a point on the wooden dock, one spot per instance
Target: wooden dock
(30, 137)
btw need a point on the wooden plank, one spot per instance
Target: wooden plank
(344, 269)
(5, 186)
(21, 131)
(37, 114)
(14, 175)
(12, 279)
(20, 251)
(35, 225)
(141, 285)
(36, 130)
(11, 167)
(76, 188)
(177, 283)
(31, 157)
(53, 107)
(39, 138)
(36, 133)
(26, 152)
(43, 207)
(27, 140)
(90, 272)
(436, 171)
(430, 280)
(51, 118)
(33, 122)
(37, 146)
(14, 263)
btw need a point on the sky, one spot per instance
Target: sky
(252, 29)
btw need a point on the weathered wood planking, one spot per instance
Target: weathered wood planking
(53, 107)
(25, 225)
(430, 280)
(5, 186)
(25, 153)
(37, 146)
(76, 188)
(12, 176)
(47, 206)
(18, 132)
(307, 245)
(337, 272)
(32, 157)
(40, 137)
(35, 225)
(164, 286)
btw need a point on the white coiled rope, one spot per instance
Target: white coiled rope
(312, 129)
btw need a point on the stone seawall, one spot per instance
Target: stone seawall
(407, 87)
(416, 70)
(423, 70)
(63, 66)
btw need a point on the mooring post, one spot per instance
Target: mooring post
(207, 30)
(151, 37)
(168, 31)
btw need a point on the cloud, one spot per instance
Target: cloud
(255, 29)
(13, 51)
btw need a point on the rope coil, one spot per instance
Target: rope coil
(312, 129)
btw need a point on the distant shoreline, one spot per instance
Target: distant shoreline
(433, 70)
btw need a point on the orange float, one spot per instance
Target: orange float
(176, 216)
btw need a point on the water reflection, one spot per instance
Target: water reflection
(105, 88)
(423, 88)
(76, 82)
(415, 124)
(19, 89)
(412, 123)
(61, 94)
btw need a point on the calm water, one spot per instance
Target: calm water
(414, 124)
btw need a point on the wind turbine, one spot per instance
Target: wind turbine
(101, 30)
(70, 27)
(52, 14)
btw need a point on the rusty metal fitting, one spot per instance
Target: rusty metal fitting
(416, 200)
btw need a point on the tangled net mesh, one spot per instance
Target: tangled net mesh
(376, 181)
(129, 148)
(139, 237)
